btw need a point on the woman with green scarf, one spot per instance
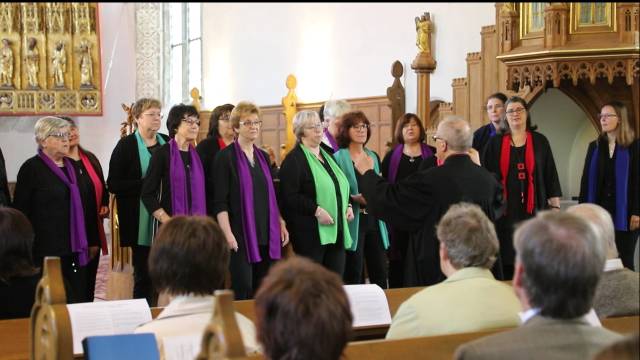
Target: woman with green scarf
(370, 238)
(315, 197)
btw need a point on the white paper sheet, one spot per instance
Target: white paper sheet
(106, 318)
(368, 304)
(181, 347)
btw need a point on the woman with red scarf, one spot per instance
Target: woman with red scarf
(611, 176)
(95, 201)
(522, 160)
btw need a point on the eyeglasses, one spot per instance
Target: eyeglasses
(361, 126)
(60, 135)
(515, 111)
(251, 123)
(496, 106)
(436, 137)
(606, 116)
(192, 120)
(314, 127)
(153, 114)
(224, 117)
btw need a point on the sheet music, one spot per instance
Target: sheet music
(368, 304)
(106, 318)
(181, 347)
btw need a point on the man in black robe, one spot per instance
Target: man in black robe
(417, 203)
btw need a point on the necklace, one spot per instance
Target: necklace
(412, 159)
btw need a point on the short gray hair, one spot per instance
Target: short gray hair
(456, 132)
(469, 236)
(48, 125)
(335, 108)
(303, 118)
(599, 217)
(562, 260)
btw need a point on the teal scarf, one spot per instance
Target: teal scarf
(145, 225)
(343, 158)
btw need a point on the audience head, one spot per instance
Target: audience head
(559, 261)
(302, 312)
(147, 114)
(409, 129)
(355, 128)
(453, 135)
(219, 122)
(517, 110)
(614, 118)
(495, 108)
(333, 111)
(601, 220)
(307, 125)
(52, 136)
(189, 255)
(467, 237)
(16, 245)
(182, 115)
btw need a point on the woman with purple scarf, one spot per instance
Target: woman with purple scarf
(611, 177)
(174, 184)
(245, 204)
(403, 160)
(47, 193)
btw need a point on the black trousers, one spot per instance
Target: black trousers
(626, 244)
(397, 256)
(371, 249)
(74, 277)
(92, 272)
(331, 256)
(245, 276)
(142, 287)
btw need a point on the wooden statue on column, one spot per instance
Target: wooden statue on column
(423, 65)
(289, 104)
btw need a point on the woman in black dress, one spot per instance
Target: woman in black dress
(610, 176)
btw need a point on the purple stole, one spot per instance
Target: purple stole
(77, 230)
(620, 220)
(246, 205)
(397, 155)
(178, 186)
(332, 140)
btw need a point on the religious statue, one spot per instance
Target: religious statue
(423, 32)
(6, 64)
(86, 65)
(59, 64)
(32, 63)
(289, 103)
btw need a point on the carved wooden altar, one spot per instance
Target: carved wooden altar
(50, 59)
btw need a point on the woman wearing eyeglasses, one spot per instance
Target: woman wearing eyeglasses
(523, 161)
(127, 168)
(495, 112)
(315, 197)
(610, 177)
(245, 204)
(370, 238)
(220, 135)
(47, 193)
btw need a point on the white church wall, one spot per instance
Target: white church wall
(335, 50)
(98, 134)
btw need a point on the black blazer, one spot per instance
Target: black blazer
(481, 137)
(633, 194)
(208, 149)
(545, 175)
(125, 181)
(227, 185)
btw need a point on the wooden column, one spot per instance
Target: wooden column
(423, 65)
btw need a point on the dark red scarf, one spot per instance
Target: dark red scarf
(530, 163)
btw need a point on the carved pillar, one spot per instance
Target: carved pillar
(509, 24)
(556, 25)
(290, 107)
(148, 50)
(628, 22)
(423, 65)
(395, 94)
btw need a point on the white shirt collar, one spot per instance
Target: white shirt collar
(613, 264)
(591, 317)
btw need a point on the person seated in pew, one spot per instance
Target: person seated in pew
(302, 312)
(18, 275)
(188, 261)
(470, 299)
(559, 262)
(618, 293)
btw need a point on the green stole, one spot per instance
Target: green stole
(326, 196)
(145, 225)
(343, 158)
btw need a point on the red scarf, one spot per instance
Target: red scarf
(221, 143)
(99, 189)
(530, 163)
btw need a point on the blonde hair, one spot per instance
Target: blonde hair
(626, 134)
(143, 105)
(243, 108)
(304, 118)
